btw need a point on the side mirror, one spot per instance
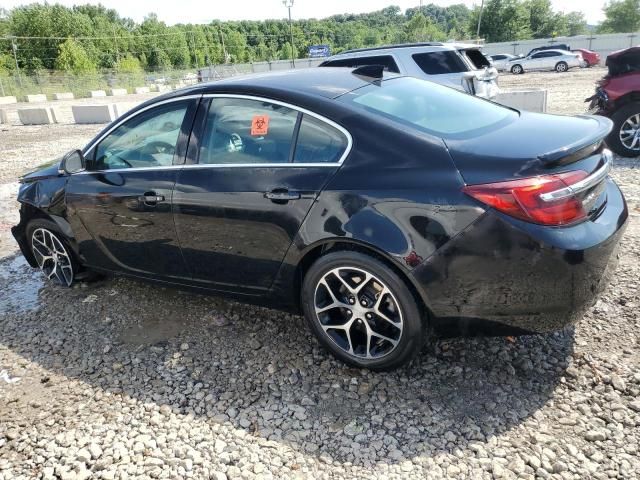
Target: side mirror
(72, 162)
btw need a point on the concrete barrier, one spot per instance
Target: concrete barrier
(139, 90)
(533, 100)
(36, 116)
(97, 93)
(118, 91)
(4, 118)
(40, 97)
(93, 113)
(163, 88)
(8, 100)
(63, 96)
(56, 113)
(121, 108)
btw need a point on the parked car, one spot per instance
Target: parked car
(556, 46)
(618, 97)
(501, 60)
(457, 65)
(558, 60)
(590, 58)
(382, 207)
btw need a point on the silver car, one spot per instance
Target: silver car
(501, 60)
(458, 65)
(558, 60)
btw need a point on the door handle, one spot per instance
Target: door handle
(282, 195)
(150, 198)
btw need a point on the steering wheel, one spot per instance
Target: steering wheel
(159, 147)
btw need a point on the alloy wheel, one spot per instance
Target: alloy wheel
(630, 133)
(358, 312)
(52, 256)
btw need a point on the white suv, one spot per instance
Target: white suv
(458, 65)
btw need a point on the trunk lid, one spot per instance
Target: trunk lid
(534, 144)
(624, 61)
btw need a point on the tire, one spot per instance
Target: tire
(392, 312)
(52, 252)
(628, 113)
(561, 67)
(517, 69)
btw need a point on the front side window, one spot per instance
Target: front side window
(436, 63)
(430, 107)
(318, 142)
(149, 139)
(243, 131)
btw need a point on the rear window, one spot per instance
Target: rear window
(430, 107)
(386, 60)
(437, 63)
(477, 58)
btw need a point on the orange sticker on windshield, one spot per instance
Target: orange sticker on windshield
(260, 125)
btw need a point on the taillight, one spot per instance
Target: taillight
(546, 199)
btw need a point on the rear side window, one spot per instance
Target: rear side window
(498, 57)
(318, 142)
(437, 63)
(387, 61)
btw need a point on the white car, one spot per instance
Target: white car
(501, 60)
(558, 60)
(458, 65)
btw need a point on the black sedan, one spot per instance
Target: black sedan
(383, 208)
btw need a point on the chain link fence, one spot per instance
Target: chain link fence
(20, 84)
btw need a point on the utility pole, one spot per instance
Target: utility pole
(14, 47)
(224, 50)
(479, 20)
(115, 43)
(289, 4)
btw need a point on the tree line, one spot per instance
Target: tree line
(88, 38)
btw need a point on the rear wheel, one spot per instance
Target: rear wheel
(624, 139)
(562, 67)
(517, 69)
(362, 311)
(52, 252)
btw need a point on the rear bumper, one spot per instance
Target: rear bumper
(523, 278)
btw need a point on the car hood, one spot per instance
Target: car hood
(624, 61)
(526, 147)
(46, 170)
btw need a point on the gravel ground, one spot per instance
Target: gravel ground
(121, 379)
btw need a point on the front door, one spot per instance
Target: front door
(259, 167)
(120, 207)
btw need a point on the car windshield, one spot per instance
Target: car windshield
(430, 107)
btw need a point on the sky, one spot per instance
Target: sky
(197, 11)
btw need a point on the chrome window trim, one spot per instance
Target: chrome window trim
(584, 184)
(329, 122)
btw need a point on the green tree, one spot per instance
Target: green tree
(502, 21)
(73, 58)
(622, 16)
(576, 23)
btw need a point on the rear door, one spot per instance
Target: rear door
(257, 167)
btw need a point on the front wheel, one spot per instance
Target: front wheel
(517, 69)
(561, 67)
(362, 311)
(51, 251)
(624, 139)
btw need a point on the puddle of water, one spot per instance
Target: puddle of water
(19, 286)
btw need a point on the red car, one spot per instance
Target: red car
(618, 97)
(590, 58)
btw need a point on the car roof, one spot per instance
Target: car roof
(328, 82)
(559, 50)
(422, 46)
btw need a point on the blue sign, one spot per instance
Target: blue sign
(318, 51)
